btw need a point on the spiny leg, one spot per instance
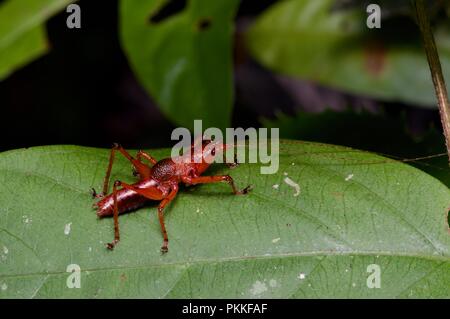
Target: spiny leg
(163, 203)
(142, 169)
(216, 179)
(111, 246)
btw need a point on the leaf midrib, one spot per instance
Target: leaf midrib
(322, 253)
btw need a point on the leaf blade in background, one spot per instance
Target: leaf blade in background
(183, 61)
(22, 31)
(309, 40)
(28, 47)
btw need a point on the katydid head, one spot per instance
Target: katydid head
(206, 153)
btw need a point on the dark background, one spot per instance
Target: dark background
(83, 91)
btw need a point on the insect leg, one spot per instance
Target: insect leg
(141, 154)
(142, 169)
(116, 218)
(147, 156)
(162, 204)
(216, 179)
(231, 165)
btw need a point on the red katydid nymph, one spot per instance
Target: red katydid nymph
(158, 181)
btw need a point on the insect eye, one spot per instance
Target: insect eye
(213, 152)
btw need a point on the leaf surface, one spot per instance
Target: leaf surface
(355, 209)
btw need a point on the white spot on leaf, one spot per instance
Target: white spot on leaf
(276, 240)
(67, 228)
(258, 288)
(293, 184)
(26, 219)
(349, 177)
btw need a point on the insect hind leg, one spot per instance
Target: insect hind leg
(142, 169)
(111, 245)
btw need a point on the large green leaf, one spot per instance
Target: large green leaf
(307, 39)
(183, 61)
(22, 32)
(355, 209)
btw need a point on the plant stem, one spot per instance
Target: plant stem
(435, 68)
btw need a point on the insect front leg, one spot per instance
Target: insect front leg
(216, 179)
